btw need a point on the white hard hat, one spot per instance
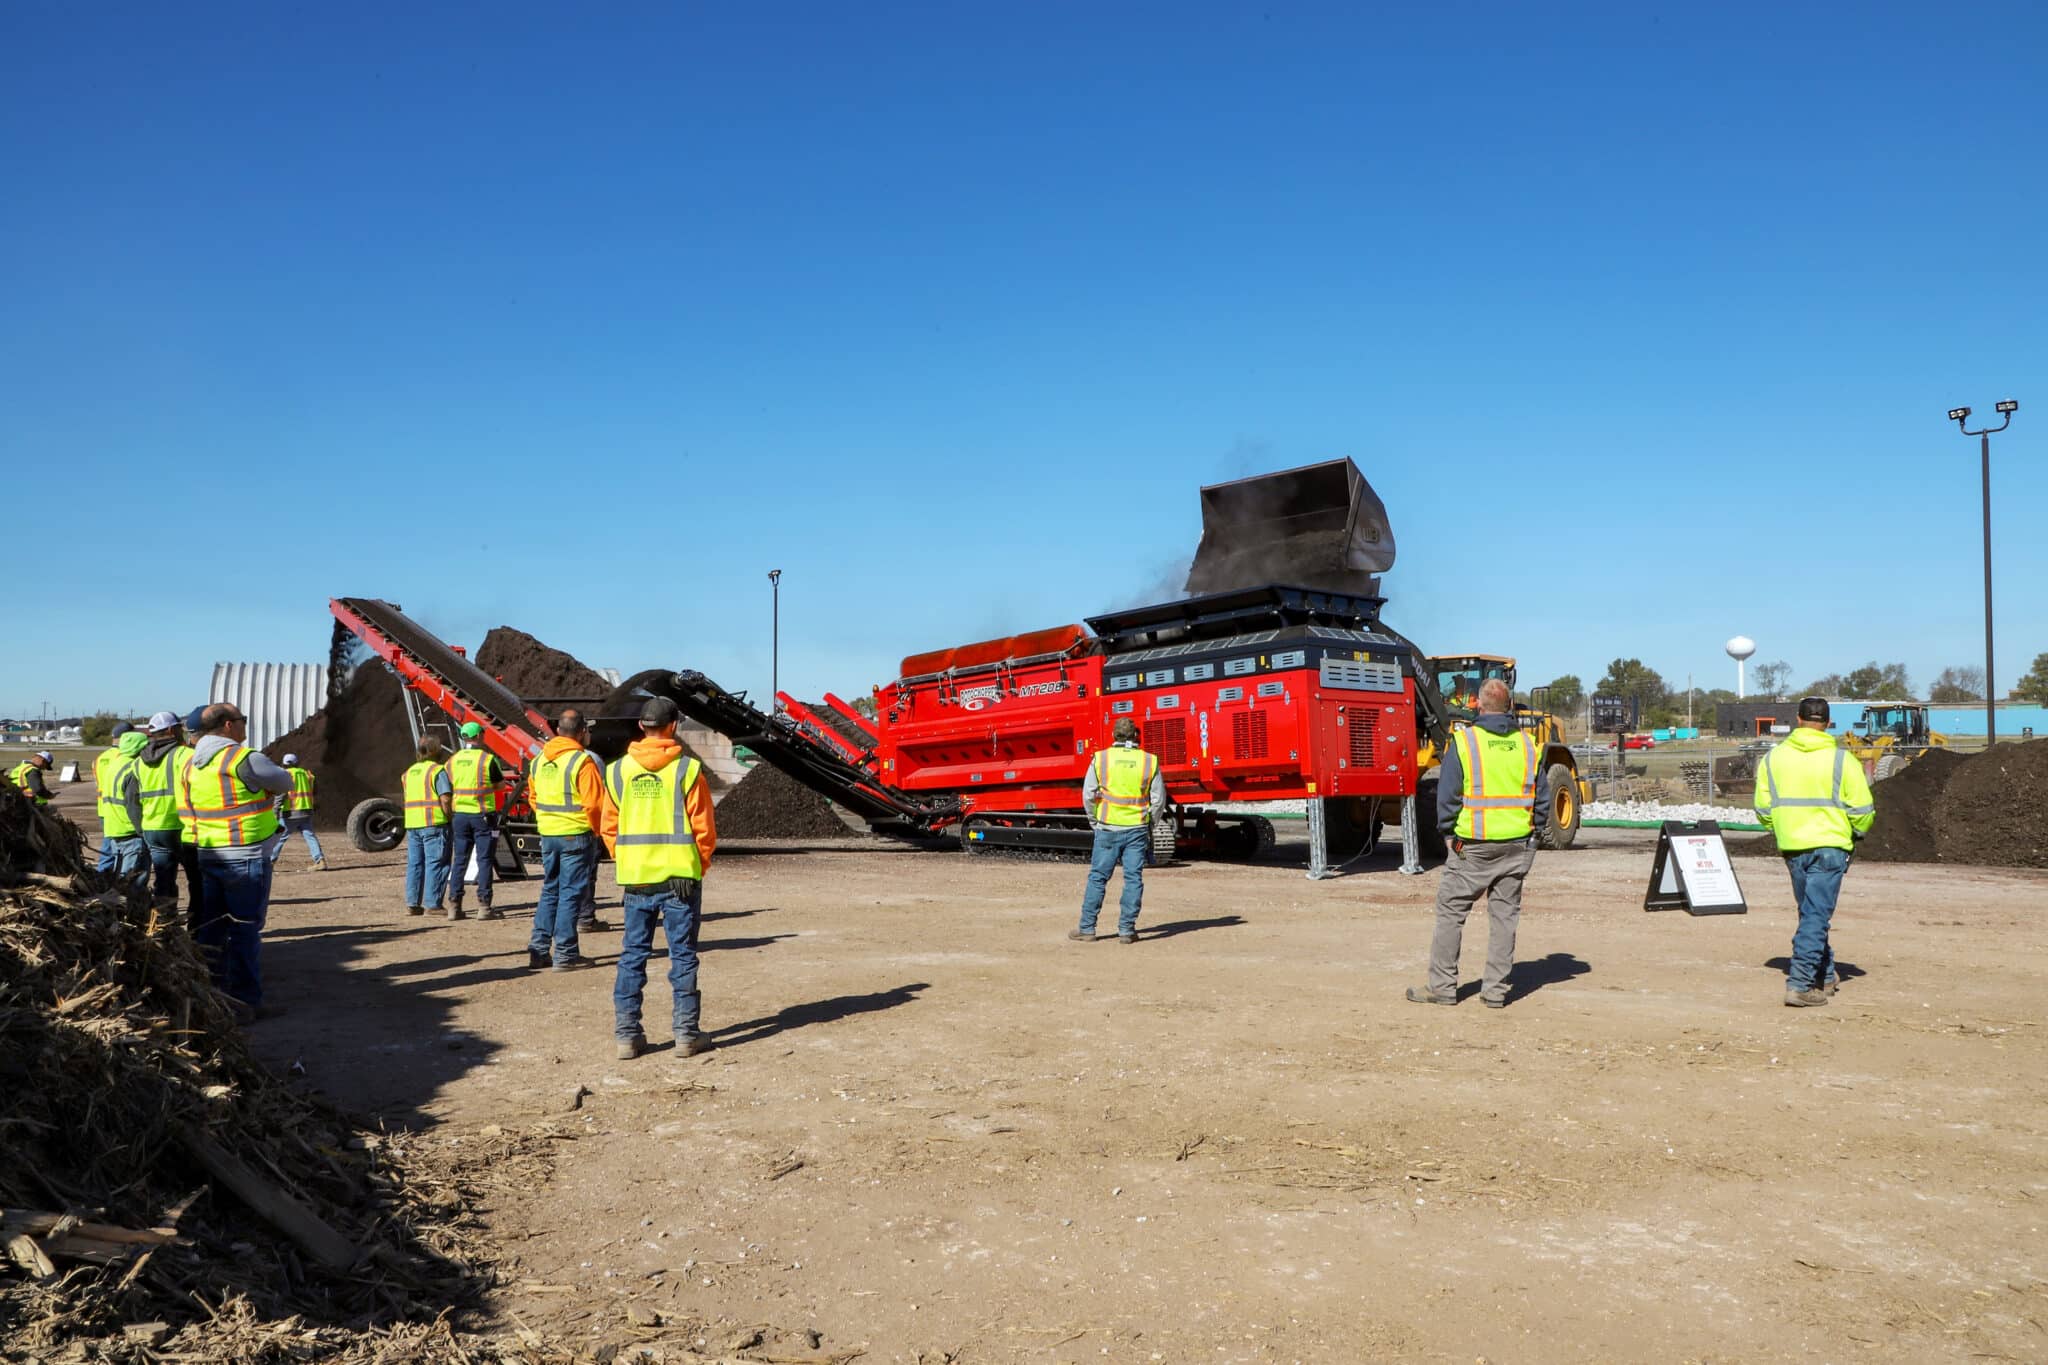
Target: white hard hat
(291, 760)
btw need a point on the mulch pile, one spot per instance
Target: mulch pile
(1995, 809)
(770, 804)
(1988, 809)
(162, 1196)
(534, 670)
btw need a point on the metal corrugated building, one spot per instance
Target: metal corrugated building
(276, 698)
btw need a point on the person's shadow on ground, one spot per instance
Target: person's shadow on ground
(1846, 970)
(1188, 926)
(1533, 976)
(816, 1012)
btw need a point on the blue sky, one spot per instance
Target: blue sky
(581, 320)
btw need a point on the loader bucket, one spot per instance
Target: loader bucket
(1319, 526)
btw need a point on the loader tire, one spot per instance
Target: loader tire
(376, 825)
(1563, 826)
(1886, 766)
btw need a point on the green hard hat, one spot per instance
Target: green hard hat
(470, 729)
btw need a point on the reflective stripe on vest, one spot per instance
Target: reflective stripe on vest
(18, 775)
(226, 813)
(156, 785)
(301, 799)
(422, 802)
(1497, 804)
(555, 814)
(1123, 788)
(1833, 798)
(475, 794)
(114, 821)
(655, 841)
(1802, 821)
(104, 782)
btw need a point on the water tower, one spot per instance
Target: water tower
(1740, 648)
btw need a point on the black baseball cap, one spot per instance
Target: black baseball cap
(660, 711)
(1813, 708)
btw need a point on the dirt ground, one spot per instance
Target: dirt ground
(934, 1130)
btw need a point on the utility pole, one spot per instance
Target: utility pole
(1959, 416)
(774, 640)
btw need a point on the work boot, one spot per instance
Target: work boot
(1834, 983)
(574, 964)
(535, 961)
(692, 1044)
(488, 912)
(1805, 999)
(1081, 935)
(455, 911)
(415, 909)
(1131, 937)
(1494, 1002)
(1423, 995)
(319, 864)
(629, 1048)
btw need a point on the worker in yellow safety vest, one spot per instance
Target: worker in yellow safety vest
(1492, 799)
(230, 791)
(120, 804)
(1123, 792)
(103, 765)
(1812, 796)
(475, 774)
(163, 822)
(27, 777)
(567, 796)
(429, 805)
(298, 815)
(655, 817)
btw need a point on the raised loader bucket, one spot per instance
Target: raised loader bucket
(1319, 526)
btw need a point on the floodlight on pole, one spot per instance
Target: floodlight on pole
(1960, 415)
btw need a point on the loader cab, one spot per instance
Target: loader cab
(1905, 724)
(1458, 677)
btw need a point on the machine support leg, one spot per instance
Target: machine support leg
(1411, 839)
(1318, 849)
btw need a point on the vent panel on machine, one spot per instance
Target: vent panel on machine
(1248, 734)
(1354, 676)
(1168, 738)
(1364, 727)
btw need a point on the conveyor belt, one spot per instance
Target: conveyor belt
(486, 693)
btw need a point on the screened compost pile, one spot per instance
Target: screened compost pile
(770, 804)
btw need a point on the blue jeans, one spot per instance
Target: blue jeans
(426, 867)
(302, 825)
(674, 907)
(470, 830)
(1113, 845)
(568, 865)
(229, 924)
(108, 857)
(131, 857)
(1816, 881)
(163, 845)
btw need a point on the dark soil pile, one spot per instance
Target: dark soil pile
(1995, 809)
(532, 669)
(358, 745)
(1906, 804)
(155, 1173)
(770, 804)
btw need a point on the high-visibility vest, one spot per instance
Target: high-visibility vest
(1815, 796)
(551, 788)
(655, 841)
(157, 785)
(18, 775)
(470, 773)
(104, 781)
(114, 821)
(226, 812)
(1499, 800)
(422, 801)
(300, 802)
(1123, 786)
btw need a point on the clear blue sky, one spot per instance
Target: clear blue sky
(583, 318)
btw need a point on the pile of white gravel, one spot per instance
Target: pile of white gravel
(1731, 817)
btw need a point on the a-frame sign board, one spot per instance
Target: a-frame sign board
(1692, 872)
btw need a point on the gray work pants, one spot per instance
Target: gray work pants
(1494, 871)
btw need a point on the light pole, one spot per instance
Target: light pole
(774, 640)
(1959, 416)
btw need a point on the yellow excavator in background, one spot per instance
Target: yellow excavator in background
(1458, 678)
(1891, 735)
